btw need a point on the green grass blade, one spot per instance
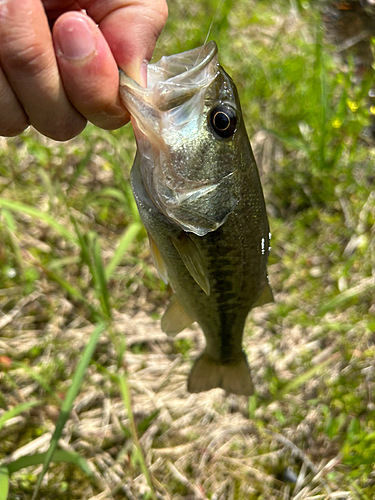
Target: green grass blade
(126, 240)
(40, 379)
(85, 254)
(91, 255)
(65, 262)
(72, 291)
(101, 282)
(125, 392)
(81, 168)
(3, 402)
(39, 458)
(16, 206)
(4, 482)
(17, 410)
(291, 142)
(114, 193)
(367, 285)
(322, 79)
(9, 219)
(68, 402)
(356, 490)
(131, 202)
(302, 379)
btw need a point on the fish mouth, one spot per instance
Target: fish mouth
(169, 119)
(179, 77)
(170, 82)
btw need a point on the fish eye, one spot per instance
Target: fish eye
(223, 121)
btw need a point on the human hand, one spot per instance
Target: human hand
(56, 79)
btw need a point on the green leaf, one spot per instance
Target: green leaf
(290, 141)
(126, 240)
(101, 282)
(9, 219)
(17, 410)
(68, 402)
(72, 291)
(40, 379)
(114, 193)
(125, 392)
(4, 482)
(19, 207)
(39, 458)
(81, 167)
(298, 381)
(367, 285)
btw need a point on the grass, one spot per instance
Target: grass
(88, 382)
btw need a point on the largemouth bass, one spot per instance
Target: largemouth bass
(199, 195)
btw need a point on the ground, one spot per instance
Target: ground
(75, 263)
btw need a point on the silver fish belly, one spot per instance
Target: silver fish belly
(198, 192)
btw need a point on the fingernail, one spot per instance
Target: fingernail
(75, 38)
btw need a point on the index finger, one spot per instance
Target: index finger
(126, 36)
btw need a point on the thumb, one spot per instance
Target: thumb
(131, 28)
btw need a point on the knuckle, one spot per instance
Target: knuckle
(160, 14)
(164, 11)
(29, 58)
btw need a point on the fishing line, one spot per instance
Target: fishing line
(213, 19)
(210, 28)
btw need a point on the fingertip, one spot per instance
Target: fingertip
(131, 32)
(66, 130)
(13, 131)
(75, 38)
(88, 70)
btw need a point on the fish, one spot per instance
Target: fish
(199, 195)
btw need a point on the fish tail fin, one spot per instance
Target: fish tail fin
(207, 374)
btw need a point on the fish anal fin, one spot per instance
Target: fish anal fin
(266, 296)
(207, 374)
(158, 260)
(193, 260)
(175, 318)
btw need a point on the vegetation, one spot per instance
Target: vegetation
(88, 382)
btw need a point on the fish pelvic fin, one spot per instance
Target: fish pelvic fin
(234, 377)
(175, 318)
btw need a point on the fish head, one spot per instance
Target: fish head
(189, 132)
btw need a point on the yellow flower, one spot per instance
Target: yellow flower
(352, 105)
(337, 123)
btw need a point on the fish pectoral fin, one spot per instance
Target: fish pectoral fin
(235, 377)
(193, 260)
(266, 296)
(158, 260)
(175, 318)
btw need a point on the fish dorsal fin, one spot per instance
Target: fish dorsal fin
(158, 260)
(175, 318)
(193, 260)
(266, 296)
